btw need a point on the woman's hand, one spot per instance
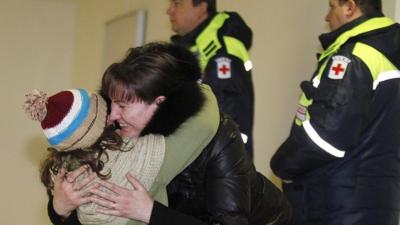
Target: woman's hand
(68, 193)
(132, 204)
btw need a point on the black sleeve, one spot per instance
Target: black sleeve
(58, 220)
(229, 84)
(162, 215)
(228, 181)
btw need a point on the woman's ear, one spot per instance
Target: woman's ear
(160, 99)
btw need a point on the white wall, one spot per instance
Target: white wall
(91, 19)
(397, 11)
(36, 42)
(389, 8)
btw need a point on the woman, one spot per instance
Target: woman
(220, 187)
(201, 122)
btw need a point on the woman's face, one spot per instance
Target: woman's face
(132, 116)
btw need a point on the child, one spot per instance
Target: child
(74, 123)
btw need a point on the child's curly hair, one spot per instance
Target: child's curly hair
(71, 160)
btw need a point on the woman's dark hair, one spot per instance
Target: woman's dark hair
(153, 70)
(73, 159)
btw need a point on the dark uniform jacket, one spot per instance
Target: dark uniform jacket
(221, 44)
(341, 160)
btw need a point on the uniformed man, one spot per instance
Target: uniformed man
(221, 41)
(340, 163)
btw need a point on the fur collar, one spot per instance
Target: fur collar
(181, 104)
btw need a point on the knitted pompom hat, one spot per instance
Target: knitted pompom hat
(71, 119)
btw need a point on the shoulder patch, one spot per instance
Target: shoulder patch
(223, 67)
(301, 113)
(338, 67)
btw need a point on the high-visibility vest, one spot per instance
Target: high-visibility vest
(208, 43)
(380, 67)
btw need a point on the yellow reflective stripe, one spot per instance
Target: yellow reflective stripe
(372, 24)
(207, 42)
(376, 62)
(236, 47)
(314, 136)
(387, 75)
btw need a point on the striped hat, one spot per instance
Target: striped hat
(71, 119)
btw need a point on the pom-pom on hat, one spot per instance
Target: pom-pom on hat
(71, 119)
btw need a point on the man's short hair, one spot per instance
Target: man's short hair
(367, 7)
(212, 5)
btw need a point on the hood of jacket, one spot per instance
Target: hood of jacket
(391, 37)
(237, 28)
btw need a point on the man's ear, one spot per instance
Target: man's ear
(203, 6)
(352, 10)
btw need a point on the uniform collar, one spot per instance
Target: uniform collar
(189, 39)
(327, 39)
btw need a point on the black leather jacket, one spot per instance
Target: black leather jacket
(222, 186)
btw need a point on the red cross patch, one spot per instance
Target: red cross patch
(338, 67)
(223, 67)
